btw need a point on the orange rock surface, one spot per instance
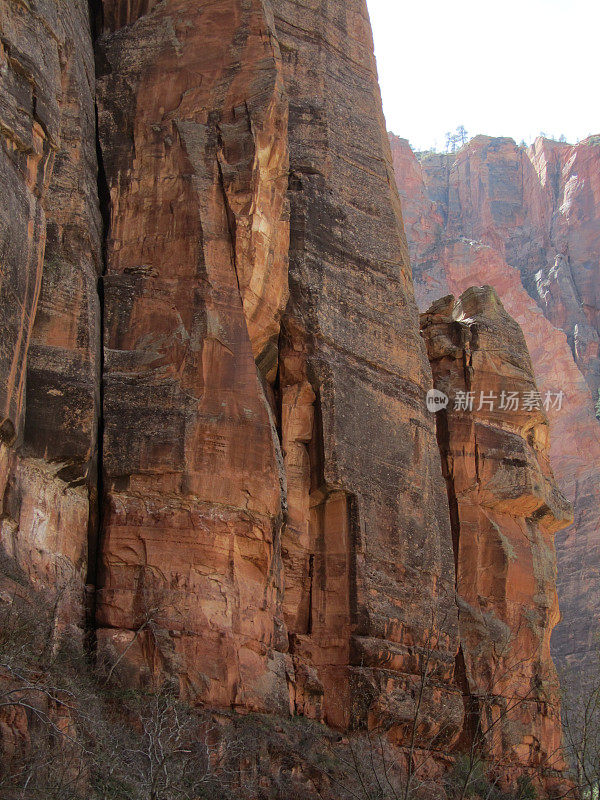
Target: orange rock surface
(505, 508)
(526, 222)
(213, 378)
(255, 546)
(50, 245)
(190, 578)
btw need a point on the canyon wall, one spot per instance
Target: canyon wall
(505, 509)
(50, 244)
(190, 575)
(277, 555)
(214, 381)
(525, 220)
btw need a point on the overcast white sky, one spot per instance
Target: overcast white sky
(511, 68)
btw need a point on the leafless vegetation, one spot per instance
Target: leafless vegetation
(69, 730)
(481, 759)
(581, 726)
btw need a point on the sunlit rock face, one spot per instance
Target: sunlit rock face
(193, 133)
(505, 508)
(526, 222)
(213, 377)
(274, 498)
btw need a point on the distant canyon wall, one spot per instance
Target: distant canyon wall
(214, 439)
(527, 222)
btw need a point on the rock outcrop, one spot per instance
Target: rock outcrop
(525, 221)
(213, 379)
(505, 508)
(245, 512)
(373, 465)
(50, 246)
(190, 576)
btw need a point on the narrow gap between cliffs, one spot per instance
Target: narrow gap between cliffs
(96, 517)
(443, 442)
(231, 218)
(442, 430)
(96, 13)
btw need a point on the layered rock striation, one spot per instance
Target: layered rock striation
(505, 508)
(190, 575)
(274, 551)
(50, 244)
(214, 381)
(525, 220)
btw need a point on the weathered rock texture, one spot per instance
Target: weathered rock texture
(526, 222)
(273, 491)
(195, 286)
(505, 509)
(378, 525)
(50, 247)
(213, 378)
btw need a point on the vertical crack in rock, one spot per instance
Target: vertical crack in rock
(505, 508)
(525, 220)
(97, 509)
(311, 578)
(96, 14)
(477, 458)
(443, 439)
(231, 220)
(195, 286)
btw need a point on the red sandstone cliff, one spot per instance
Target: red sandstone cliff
(50, 245)
(505, 509)
(195, 285)
(213, 392)
(526, 222)
(245, 499)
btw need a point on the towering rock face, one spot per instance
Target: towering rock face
(526, 222)
(275, 528)
(213, 379)
(50, 245)
(505, 509)
(30, 134)
(193, 131)
(378, 525)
